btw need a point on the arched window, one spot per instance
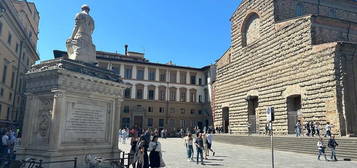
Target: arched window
(251, 29)
(299, 9)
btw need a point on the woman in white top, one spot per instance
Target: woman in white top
(189, 146)
(155, 153)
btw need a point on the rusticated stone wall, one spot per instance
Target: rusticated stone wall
(282, 62)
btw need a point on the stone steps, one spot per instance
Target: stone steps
(347, 146)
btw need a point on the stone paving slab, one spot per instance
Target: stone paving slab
(237, 156)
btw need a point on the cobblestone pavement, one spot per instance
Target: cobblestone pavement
(236, 156)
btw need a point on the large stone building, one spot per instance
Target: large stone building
(18, 40)
(295, 55)
(161, 95)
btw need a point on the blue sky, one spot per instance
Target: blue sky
(188, 32)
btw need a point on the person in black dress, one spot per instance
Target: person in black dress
(155, 149)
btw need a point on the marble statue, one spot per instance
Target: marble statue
(79, 45)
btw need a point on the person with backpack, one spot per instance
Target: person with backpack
(199, 147)
(155, 155)
(332, 144)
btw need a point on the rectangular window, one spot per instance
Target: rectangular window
(139, 93)
(17, 48)
(125, 123)
(192, 111)
(127, 73)
(162, 76)
(161, 123)
(9, 38)
(172, 123)
(152, 75)
(4, 72)
(0, 109)
(193, 79)
(182, 96)
(199, 98)
(140, 74)
(151, 95)
(172, 110)
(182, 123)
(126, 109)
(199, 81)
(12, 79)
(161, 109)
(162, 95)
(127, 93)
(150, 122)
(172, 95)
(199, 112)
(173, 76)
(182, 111)
(10, 96)
(183, 77)
(150, 109)
(2, 92)
(116, 68)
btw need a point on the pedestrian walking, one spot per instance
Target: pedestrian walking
(189, 146)
(205, 147)
(133, 150)
(317, 128)
(199, 147)
(312, 127)
(155, 155)
(209, 143)
(298, 128)
(307, 127)
(332, 144)
(321, 147)
(328, 129)
(142, 156)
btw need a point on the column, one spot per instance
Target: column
(188, 78)
(157, 74)
(145, 96)
(167, 76)
(134, 72)
(122, 70)
(178, 94)
(133, 91)
(58, 113)
(146, 71)
(177, 76)
(156, 93)
(187, 95)
(110, 66)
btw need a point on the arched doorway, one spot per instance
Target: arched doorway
(293, 108)
(225, 118)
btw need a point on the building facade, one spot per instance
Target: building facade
(161, 95)
(297, 56)
(18, 41)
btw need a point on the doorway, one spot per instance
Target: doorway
(225, 117)
(252, 113)
(293, 107)
(138, 121)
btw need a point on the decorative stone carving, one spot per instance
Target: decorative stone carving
(79, 45)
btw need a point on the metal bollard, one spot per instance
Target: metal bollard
(40, 164)
(75, 162)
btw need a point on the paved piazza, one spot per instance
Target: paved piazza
(237, 156)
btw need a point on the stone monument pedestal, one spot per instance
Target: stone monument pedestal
(72, 109)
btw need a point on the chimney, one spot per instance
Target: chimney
(126, 49)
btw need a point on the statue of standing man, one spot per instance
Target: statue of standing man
(80, 46)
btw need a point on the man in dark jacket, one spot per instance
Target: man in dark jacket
(332, 145)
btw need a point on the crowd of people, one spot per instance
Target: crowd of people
(312, 129)
(145, 149)
(8, 140)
